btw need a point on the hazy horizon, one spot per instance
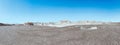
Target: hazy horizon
(20, 11)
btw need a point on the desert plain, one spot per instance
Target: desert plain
(70, 35)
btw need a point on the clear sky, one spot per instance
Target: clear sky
(19, 11)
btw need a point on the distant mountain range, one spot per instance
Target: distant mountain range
(64, 23)
(2, 24)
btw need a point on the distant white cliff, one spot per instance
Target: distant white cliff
(64, 23)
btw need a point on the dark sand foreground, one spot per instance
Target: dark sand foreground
(37, 35)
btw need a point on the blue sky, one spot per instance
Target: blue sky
(19, 11)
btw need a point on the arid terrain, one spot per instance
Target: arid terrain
(72, 35)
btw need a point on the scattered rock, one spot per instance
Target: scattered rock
(29, 23)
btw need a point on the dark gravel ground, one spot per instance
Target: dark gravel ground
(72, 35)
